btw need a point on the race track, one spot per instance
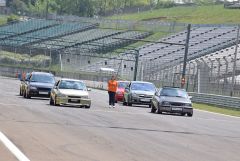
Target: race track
(48, 133)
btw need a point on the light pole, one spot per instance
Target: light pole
(136, 64)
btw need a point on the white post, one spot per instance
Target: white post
(60, 58)
(199, 81)
(142, 66)
(121, 68)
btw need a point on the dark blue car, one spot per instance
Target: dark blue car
(39, 84)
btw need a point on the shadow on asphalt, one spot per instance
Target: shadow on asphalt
(67, 106)
(171, 114)
(138, 106)
(129, 128)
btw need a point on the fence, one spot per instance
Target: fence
(211, 66)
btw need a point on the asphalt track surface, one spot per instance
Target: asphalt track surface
(48, 133)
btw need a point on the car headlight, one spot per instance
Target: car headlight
(165, 103)
(188, 104)
(33, 88)
(134, 95)
(61, 95)
(85, 96)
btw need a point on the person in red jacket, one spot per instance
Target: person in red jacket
(112, 88)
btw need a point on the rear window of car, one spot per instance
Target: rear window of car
(43, 78)
(173, 92)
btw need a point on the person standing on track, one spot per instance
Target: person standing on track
(112, 88)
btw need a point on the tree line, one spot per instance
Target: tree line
(89, 8)
(75, 7)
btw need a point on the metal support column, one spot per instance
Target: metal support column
(185, 56)
(234, 62)
(136, 64)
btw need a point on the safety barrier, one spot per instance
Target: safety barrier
(218, 100)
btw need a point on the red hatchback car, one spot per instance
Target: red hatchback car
(120, 90)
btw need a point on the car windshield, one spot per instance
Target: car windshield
(174, 92)
(143, 87)
(122, 84)
(43, 78)
(72, 85)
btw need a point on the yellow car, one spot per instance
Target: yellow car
(70, 92)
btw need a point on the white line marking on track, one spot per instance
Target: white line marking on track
(217, 113)
(12, 148)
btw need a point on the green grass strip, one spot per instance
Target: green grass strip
(217, 109)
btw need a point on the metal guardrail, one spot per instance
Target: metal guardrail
(218, 100)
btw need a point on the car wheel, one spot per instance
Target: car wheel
(54, 102)
(20, 92)
(189, 114)
(87, 106)
(153, 109)
(129, 104)
(24, 94)
(28, 95)
(51, 101)
(159, 111)
(124, 102)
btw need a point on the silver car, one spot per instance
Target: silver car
(138, 92)
(172, 100)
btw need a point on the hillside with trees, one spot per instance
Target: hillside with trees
(89, 8)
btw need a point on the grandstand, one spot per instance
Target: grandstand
(77, 38)
(47, 33)
(49, 37)
(156, 56)
(24, 27)
(109, 43)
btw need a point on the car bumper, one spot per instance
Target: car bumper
(142, 101)
(119, 97)
(36, 93)
(74, 102)
(176, 109)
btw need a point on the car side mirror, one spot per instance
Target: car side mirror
(190, 97)
(89, 89)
